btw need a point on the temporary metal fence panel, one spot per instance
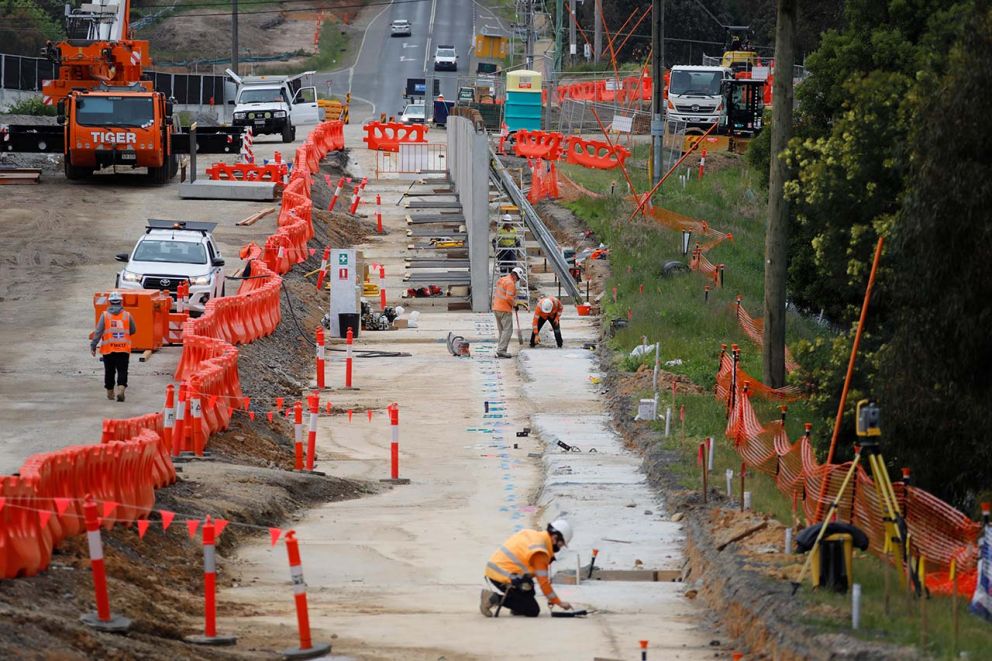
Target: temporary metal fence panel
(29, 74)
(412, 158)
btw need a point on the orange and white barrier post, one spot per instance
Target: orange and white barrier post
(210, 636)
(702, 163)
(182, 293)
(644, 650)
(307, 649)
(382, 286)
(196, 410)
(314, 404)
(322, 274)
(320, 357)
(169, 416)
(102, 619)
(378, 214)
(355, 199)
(179, 431)
(361, 186)
(337, 193)
(298, 429)
(394, 446)
(349, 341)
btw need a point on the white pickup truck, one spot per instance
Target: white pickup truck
(274, 104)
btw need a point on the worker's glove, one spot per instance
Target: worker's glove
(93, 352)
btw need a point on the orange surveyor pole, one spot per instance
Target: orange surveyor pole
(850, 372)
(693, 148)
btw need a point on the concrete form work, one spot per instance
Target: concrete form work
(397, 575)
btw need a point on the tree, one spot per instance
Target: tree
(934, 380)
(777, 234)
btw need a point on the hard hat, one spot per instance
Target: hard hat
(517, 271)
(115, 297)
(547, 306)
(506, 218)
(563, 528)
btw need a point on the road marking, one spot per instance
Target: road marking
(406, 45)
(407, 59)
(430, 33)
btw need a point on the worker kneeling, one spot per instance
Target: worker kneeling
(548, 309)
(513, 567)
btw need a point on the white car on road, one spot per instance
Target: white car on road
(400, 28)
(173, 251)
(445, 58)
(414, 113)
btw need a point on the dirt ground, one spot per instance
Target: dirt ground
(202, 33)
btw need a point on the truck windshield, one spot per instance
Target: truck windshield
(115, 111)
(170, 252)
(696, 82)
(445, 52)
(261, 96)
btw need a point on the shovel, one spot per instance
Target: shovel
(520, 332)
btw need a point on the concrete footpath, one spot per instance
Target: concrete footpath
(397, 575)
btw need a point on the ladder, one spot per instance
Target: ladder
(505, 259)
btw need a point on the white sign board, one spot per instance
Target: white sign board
(759, 73)
(344, 280)
(623, 124)
(612, 84)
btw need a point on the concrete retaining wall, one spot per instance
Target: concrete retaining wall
(468, 168)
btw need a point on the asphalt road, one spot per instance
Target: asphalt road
(377, 81)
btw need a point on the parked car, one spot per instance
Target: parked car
(174, 251)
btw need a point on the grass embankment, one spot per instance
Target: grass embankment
(331, 51)
(672, 310)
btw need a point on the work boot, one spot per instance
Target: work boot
(503, 354)
(110, 394)
(120, 393)
(487, 600)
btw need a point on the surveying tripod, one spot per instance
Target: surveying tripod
(897, 538)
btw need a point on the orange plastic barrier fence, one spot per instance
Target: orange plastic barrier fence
(275, 172)
(595, 153)
(387, 136)
(936, 530)
(755, 329)
(538, 144)
(43, 504)
(543, 181)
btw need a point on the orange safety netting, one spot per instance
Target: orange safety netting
(755, 329)
(936, 530)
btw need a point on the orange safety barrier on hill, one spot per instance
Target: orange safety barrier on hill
(538, 144)
(755, 329)
(43, 504)
(595, 154)
(387, 136)
(936, 530)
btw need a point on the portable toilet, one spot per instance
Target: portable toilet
(523, 100)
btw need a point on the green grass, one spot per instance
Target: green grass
(672, 310)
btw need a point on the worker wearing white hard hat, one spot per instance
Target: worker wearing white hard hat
(517, 563)
(113, 333)
(506, 242)
(549, 310)
(504, 301)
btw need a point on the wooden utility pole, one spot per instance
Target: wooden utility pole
(235, 48)
(572, 43)
(597, 33)
(777, 237)
(657, 91)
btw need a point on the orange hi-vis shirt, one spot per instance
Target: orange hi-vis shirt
(554, 315)
(116, 333)
(527, 553)
(505, 294)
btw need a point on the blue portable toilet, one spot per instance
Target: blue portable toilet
(522, 108)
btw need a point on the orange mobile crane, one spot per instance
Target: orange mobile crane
(108, 116)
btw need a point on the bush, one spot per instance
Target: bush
(32, 106)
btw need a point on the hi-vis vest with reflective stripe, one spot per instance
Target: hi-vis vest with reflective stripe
(506, 238)
(556, 310)
(506, 292)
(515, 557)
(116, 333)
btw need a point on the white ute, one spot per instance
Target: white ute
(173, 251)
(269, 105)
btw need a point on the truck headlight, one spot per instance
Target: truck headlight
(130, 277)
(239, 115)
(200, 280)
(268, 115)
(279, 113)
